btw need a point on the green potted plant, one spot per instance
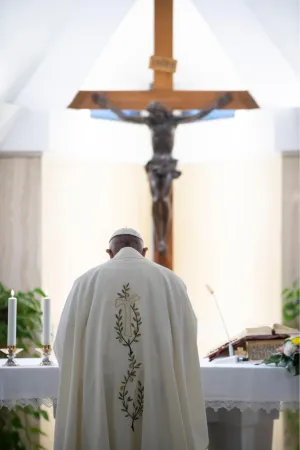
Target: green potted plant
(19, 427)
(291, 305)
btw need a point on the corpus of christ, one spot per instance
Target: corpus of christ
(162, 168)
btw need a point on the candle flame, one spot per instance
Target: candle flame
(12, 293)
(46, 293)
(210, 290)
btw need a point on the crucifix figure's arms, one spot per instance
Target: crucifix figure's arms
(220, 103)
(102, 100)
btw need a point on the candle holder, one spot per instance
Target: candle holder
(46, 351)
(11, 352)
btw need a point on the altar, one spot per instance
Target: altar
(242, 399)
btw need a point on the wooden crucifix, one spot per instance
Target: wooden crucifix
(159, 102)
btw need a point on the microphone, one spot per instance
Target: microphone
(212, 293)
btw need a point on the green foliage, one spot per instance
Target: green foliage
(291, 363)
(19, 427)
(16, 422)
(292, 433)
(291, 303)
(133, 408)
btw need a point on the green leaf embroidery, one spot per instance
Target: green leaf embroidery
(136, 410)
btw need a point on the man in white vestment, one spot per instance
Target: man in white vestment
(127, 352)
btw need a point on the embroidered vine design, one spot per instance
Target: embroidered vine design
(128, 323)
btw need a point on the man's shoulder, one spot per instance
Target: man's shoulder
(90, 274)
(167, 273)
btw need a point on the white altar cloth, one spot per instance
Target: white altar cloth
(28, 384)
(242, 385)
(248, 386)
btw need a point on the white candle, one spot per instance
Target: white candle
(46, 308)
(12, 321)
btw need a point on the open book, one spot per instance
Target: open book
(256, 334)
(266, 331)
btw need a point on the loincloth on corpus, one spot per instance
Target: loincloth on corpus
(161, 168)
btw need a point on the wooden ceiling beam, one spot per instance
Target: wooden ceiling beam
(182, 100)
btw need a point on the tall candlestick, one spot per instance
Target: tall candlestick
(12, 321)
(46, 321)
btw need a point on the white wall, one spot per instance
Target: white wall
(281, 21)
(20, 222)
(83, 202)
(291, 219)
(27, 30)
(48, 51)
(258, 60)
(227, 228)
(9, 114)
(287, 129)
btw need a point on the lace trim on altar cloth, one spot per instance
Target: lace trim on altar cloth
(213, 404)
(23, 402)
(254, 406)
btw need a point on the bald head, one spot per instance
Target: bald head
(125, 240)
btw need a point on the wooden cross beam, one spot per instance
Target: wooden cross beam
(183, 100)
(164, 66)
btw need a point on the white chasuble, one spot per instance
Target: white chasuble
(129, 367)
